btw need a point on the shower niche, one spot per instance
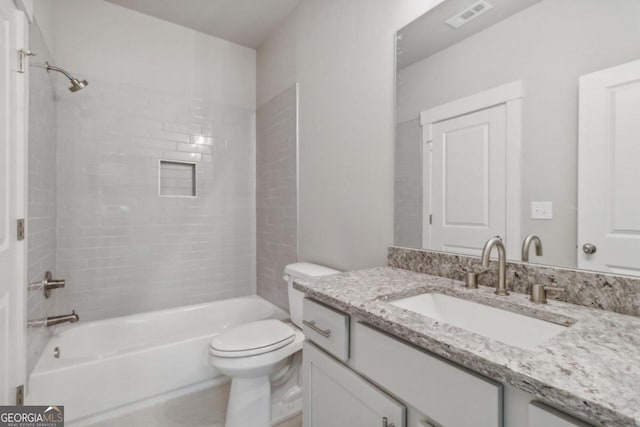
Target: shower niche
(177, 179)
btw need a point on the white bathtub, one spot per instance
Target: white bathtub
(111, 363)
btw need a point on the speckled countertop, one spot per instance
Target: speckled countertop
(592, 369)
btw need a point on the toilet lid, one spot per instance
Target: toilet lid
(251, 339)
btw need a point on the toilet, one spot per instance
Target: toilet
(251, 352)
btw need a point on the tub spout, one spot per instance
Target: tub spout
(55, 320)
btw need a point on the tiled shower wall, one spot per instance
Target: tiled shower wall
(41, 219)
(408, 185)
(276, 194)
(123, 248)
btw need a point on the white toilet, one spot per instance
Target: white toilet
(249, 353)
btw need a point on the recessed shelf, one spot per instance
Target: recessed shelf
(177, 179)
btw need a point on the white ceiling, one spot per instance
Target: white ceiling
(430, 33)
(245, 22)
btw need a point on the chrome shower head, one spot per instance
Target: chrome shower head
(76, 84)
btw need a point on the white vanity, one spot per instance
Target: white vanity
(371, 378)
(357, 374)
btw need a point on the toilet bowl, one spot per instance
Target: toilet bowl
(249, 354)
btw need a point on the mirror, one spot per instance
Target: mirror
(519, 117)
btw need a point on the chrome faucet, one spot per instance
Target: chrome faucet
(527, 244)
(54, 320)
(502, 262)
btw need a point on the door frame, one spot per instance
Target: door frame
(511, 95)
(22, 144)
(18, 142)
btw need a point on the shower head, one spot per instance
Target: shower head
(76, 84)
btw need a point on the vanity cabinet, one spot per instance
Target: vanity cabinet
(336, 396)
(356, 375)
(544, 416)
(444, 392)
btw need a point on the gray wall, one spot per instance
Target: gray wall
(342, 55)
(276, 194)
(548, 46)
(41, 219)
(408, 185)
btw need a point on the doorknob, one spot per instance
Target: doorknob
(589, 248)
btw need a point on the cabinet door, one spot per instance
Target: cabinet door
(336, 396)
(448, 394)
(543, 416)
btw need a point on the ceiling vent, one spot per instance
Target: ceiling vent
(470, 13)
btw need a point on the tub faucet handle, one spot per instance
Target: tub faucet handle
(50, 283)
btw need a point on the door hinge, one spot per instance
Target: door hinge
(430, 219)
(429, 145)
(22, 54)
(21, 229)
(20, 395)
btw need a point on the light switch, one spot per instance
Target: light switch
(541, 210)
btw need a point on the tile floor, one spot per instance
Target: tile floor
(204, 408)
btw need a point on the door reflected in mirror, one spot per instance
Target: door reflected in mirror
(525, 119)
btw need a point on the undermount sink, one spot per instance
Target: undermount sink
(501, 325)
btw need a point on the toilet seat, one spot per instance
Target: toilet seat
(252, 339)
(259, 364)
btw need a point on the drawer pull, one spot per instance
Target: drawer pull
(312, 324)
(385, 423)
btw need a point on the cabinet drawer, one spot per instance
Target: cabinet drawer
(449, 395)
(541, 415)
(326, 327)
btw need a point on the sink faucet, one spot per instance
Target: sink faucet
(54, 320)
(531, 238)
(502, 262)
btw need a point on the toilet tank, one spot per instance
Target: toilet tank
(301, 270)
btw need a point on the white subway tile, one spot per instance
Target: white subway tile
(123, 248)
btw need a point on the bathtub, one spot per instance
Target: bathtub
(114, 363)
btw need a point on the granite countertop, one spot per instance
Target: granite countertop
(592, 369)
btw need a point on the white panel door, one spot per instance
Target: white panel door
(336, 396)
(468, 181)
(609, 171)
(12, 198)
